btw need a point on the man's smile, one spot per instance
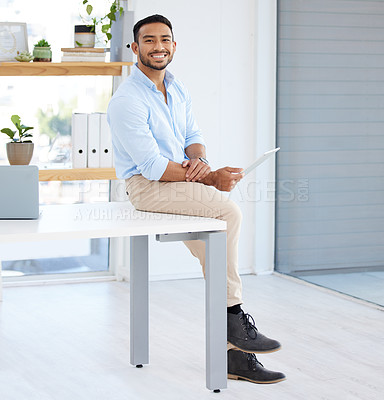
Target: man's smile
(159, 56)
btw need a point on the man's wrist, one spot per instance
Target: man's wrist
(209, 180)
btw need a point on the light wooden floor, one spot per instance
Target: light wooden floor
(367, 285)
(70, 342)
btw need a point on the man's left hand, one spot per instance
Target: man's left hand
(197, 170)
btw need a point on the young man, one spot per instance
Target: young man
(160, 152)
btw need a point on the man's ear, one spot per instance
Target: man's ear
(135, 48)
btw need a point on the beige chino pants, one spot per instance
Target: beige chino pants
(196, 199)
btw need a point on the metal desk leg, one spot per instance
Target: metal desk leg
(216, 309)
(215, 302)
(139, 307)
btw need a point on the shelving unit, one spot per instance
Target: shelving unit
(68, 69)
(62, 69)
(77, 174)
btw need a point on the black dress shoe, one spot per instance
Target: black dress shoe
(245, 366)
(243, 334)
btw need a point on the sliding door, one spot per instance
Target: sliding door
(330, 127)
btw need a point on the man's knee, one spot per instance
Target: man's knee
(232, 212)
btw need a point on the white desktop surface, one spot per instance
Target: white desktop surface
(98, 220)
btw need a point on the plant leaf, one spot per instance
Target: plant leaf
(105, 28)
(109, 36)
(9, 132)
(79, 44)
(85, 1)
(16, 120)
(26, 128)
(42, 43)
(111, 16)
(89, 9)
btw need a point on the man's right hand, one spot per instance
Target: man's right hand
(224, 179)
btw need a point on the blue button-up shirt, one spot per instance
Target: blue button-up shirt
(146, 131)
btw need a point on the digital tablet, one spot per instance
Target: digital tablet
(260, 160)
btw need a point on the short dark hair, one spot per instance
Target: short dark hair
(150, 20)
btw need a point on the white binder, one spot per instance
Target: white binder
(122, 35)
(93, 140)
(106, 159)
(79, 140)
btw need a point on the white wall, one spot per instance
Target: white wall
(265, 132)
(217, 53)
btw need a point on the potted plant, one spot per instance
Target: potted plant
(20, 148)
(117, 25)
(24, 56)
(85, 35)
(115, 9)
(42, 51)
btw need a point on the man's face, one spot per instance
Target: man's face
(155, 48)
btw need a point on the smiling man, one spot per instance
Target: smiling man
(160, 152)
(153, 58)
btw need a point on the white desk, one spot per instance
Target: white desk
(120, 219)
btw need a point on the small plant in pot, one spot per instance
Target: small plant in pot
(20, 148)
(24, 56)
(85, 36)
(42, 51)
(106, 21)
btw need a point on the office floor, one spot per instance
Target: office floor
(367, 286)
(71, 341)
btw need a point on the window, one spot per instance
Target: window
(47, 104)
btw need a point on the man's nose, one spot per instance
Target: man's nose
(158, 45)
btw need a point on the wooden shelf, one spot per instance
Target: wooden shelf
(62, 69)
(77, 174)
(67, 69)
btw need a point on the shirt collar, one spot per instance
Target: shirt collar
(140, 76)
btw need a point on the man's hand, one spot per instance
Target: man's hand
(197, 170)
(224, 179)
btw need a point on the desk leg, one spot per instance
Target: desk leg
(216, 309)
(215, 303)
(139, 307)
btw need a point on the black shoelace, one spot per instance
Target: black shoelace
(249, 323)
(253, 361)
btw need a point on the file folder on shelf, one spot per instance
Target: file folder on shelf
(79, 140)
(106, 157)
(93, 140)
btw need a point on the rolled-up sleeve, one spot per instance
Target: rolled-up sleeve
(193, 133)
(131, 134)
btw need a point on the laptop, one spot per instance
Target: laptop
(19, 192)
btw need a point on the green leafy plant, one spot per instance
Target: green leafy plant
(42, 43)
(22, 130)
(105, 21)
(24, 56)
